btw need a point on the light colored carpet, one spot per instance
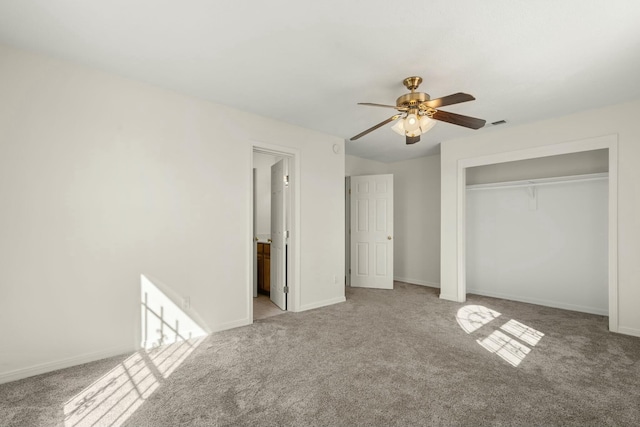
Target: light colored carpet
(383, 358)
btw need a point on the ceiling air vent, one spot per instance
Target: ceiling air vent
(499, 122)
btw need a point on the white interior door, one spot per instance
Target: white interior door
(372, 231)
(279, 183)
(255, 237)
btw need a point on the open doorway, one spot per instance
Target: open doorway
(272, 230)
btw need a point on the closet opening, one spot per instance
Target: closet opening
(536, 231)
(606, 143)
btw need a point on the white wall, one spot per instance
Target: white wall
(544, 243)
(103, 179)
(262, 163)
(358, 166)
(585, 162)
(618, 119)
(417, 220)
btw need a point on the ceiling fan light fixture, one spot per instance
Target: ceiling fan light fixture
(411, 123)
(426, 123)
(399, 127)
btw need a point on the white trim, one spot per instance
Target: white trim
(43, 368)
(609, 142)
(629, 331)
(417, 282)
(233, 324)
(538, 301)
(449, 297)
(347, 231)
(461, 234)
(322, 303)
(293, 270)
(194, 333)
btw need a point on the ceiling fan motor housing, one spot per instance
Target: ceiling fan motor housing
(412, 100)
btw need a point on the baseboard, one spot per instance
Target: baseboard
(43, 368)
(547, 303)
(629, 331)
(453, 298)
(324, 303)
(417, 282)
(231, 325)
(184, 335)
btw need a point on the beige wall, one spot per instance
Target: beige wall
(417, 220)
(104, 179)
(358, 166)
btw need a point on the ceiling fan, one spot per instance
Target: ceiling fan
(419, 112)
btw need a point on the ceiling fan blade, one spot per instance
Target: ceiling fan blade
(412, 139)
(455, 98)
(371, 129)
(458, 119)
(371, 104)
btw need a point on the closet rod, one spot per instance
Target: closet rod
(539, 181)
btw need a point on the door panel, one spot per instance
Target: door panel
(255, 238)
(372, 231)
(278, 233)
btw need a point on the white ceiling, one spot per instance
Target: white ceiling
(309, 63)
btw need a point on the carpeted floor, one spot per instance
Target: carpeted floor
(383, 358)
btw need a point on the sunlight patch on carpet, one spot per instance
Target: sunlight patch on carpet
(169, 335)
(473, 317)
(505, 341)
(507, 348)
(112, 399)
(522, 332)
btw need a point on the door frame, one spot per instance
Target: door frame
(609, 142)
(293, 251)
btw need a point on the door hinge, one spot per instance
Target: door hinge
(286, 235)
(286, 179)
(349, 271)
(349, 191)
(286, 289)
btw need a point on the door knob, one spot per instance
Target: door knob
(255, 238)
(388, 237)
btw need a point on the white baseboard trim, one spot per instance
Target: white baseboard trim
(629, 331)
(232, 324)
(417, 282)
(547, 303)
(324, 303)
(43, 368)
(447, 297)
(187, 335)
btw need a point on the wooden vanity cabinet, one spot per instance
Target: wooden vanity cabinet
(264, 267)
